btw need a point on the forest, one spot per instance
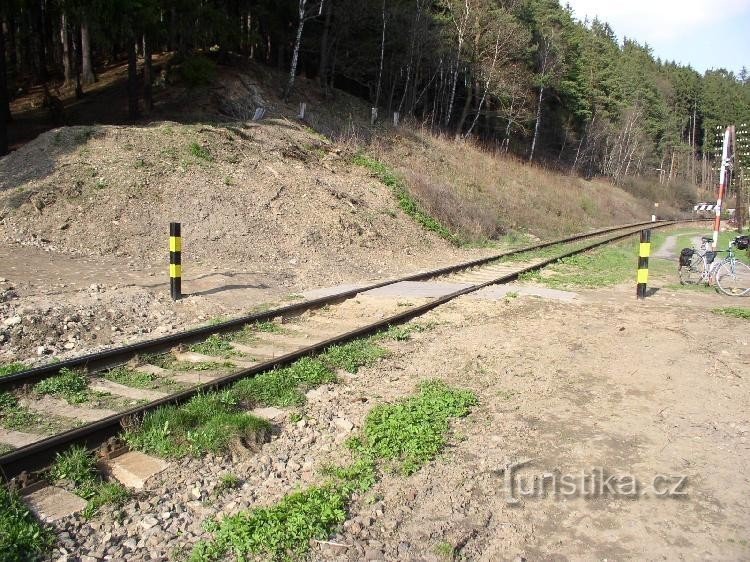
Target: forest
(523, 76)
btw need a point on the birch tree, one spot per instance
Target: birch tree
(306, 11)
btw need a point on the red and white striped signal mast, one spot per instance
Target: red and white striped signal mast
(726, 163)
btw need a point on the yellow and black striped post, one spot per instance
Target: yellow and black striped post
(644, 250)
(175, 260)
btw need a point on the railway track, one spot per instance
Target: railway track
(86, 400)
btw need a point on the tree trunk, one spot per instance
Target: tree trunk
(538, 121)
(324, 50)
(148, 101)
(382, 57)
(4, 105)
(295, 54)
(132, 80)
(39, 42)
(67, 66)
(467, 106)
(87, 72)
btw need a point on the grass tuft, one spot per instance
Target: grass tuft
(207, 423)
(71, 385)
(129, 377)
(200, 152)
(77, 467)
(215, 345)
(285, 387)
(11, 368)
(735, 311)
(22, 537)
(353, 355)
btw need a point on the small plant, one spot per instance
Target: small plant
(401, 333)
(215, 345)
(199, 152)
(353, 355)
(445, 550)
(100, 183)
(735, 311)
(128, 377)
(207, 423)
(71, 385)
(77, 467)
(167, 361)
(295, 417)
(10, 368)
(278, 532)
(228, 482)
(22, 537)
(15, 416)
(284, 387)
(269, 327)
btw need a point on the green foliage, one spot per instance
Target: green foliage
(228, 482)
(10, 368)
(22, 537)
(207, 423)
(285, 387)
(735, 311)
(15, 416)
(200, 152)
(215, 345)
(401, 332)
(405, 200)
(353, 355)
(129, 377)
(280, 532)
(71, 385)
(77, 467)
(168, 361)
(197, 71)
(411, 432)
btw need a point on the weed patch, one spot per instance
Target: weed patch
(217, 346)
(167, 361)
(285, 387)
(207, 423)
(200, 152)
(353, 355)
(71, 385)
(735, 311)
(77, 468)
(128, 377)
(10, 368)
(22, 537)
(412, 432)
(405, 201)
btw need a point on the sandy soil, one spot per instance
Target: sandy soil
(641, 389)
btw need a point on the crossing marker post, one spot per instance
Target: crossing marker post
(644, 250)
(175, 261)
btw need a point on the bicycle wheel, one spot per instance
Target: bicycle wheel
(733, 278)
(693, 273)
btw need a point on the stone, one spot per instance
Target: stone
(53, 503)
(148, 522)
(12, 321)
(373, 554)
(133, 469)
(343, 424)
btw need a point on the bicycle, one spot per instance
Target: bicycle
(732, 277)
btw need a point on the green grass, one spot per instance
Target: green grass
(207, 423)
(217, 346)
(71, 385)
(410, 432)
(129, 377)
(353, 355)
(735, 311)
(401, 332)
(22, 537)
(15, 416)
(279, 532)
(167, 361)
(10, 368)
(405, 201)
(602, 267)
(228, 481)
(284, 387)
(77, 468)
(200, 152)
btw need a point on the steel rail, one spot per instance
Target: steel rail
(122, 354)
(40, 454)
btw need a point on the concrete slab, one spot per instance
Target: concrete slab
(329, 291)
(52, 503)
(418, 289)
(133, 469)
(498, 292)
(260, 351)
(17, 438)
(104, 385)
(192, 357)
(49, 405)
(270, 413)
